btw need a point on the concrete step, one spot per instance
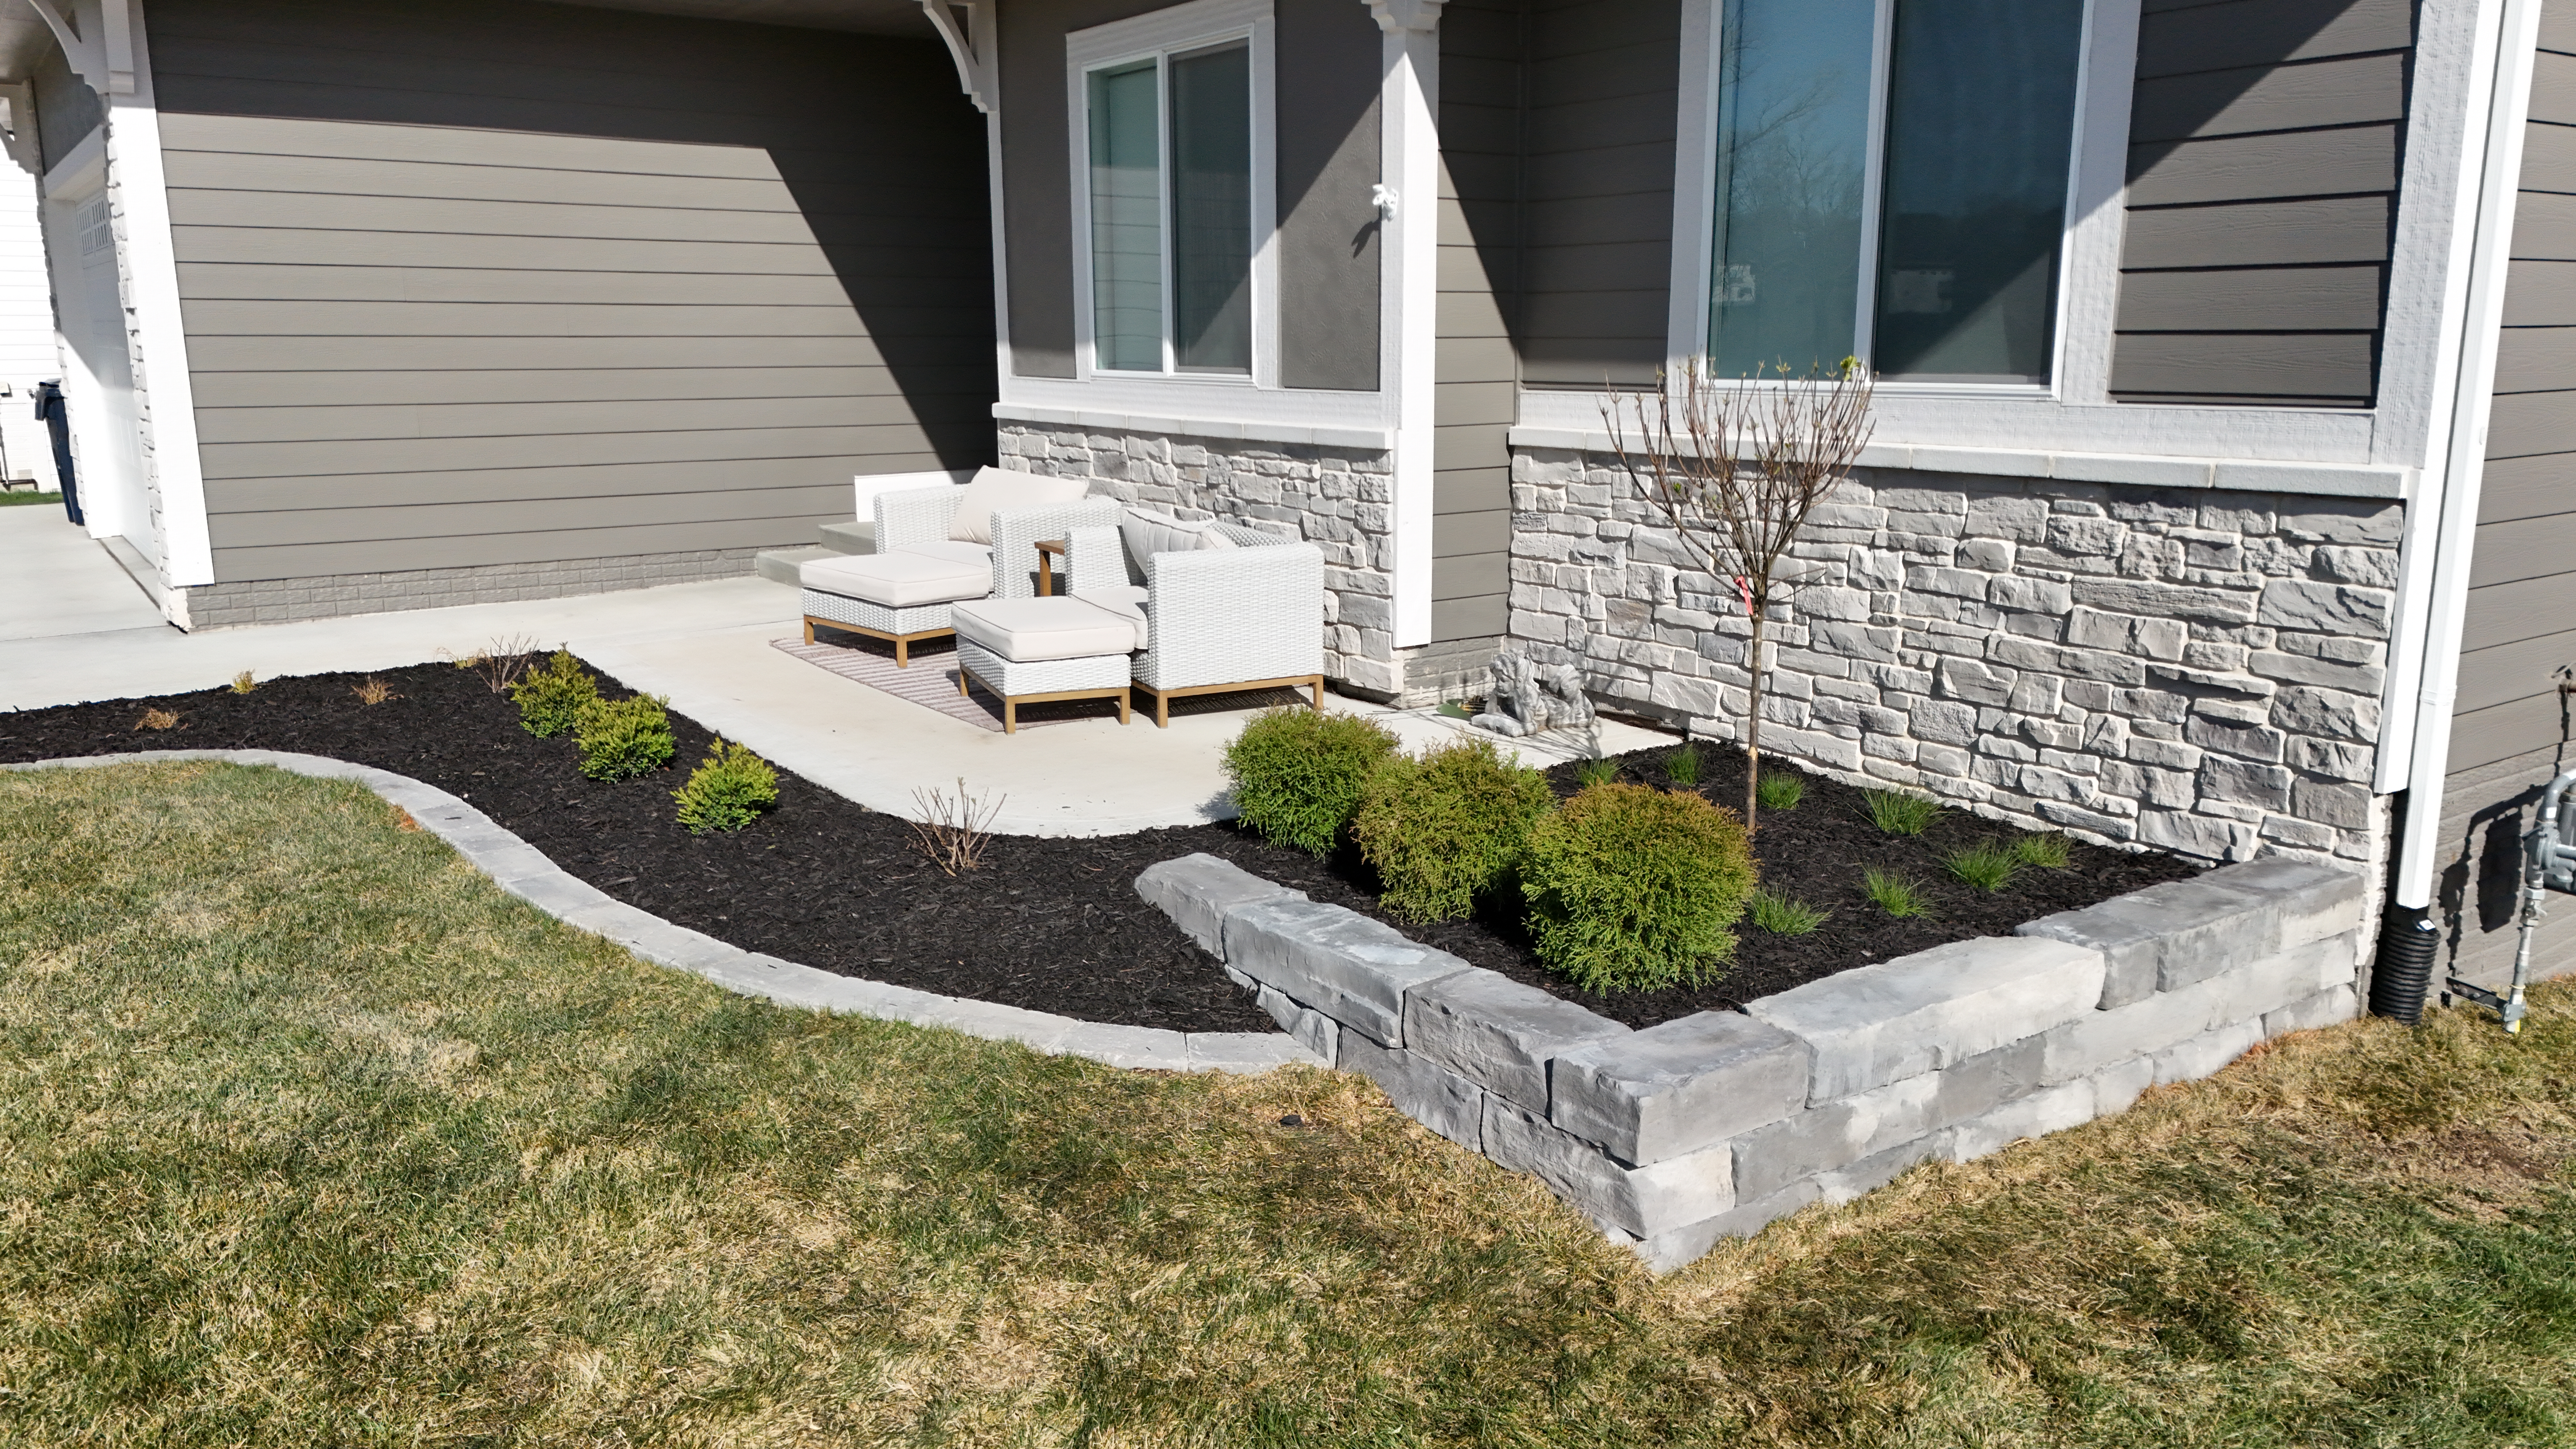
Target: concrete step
(778, 565)
(859, 537)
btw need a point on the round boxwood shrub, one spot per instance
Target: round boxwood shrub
(1444, 829)
(551, 699)
(1298, 773)
(727, 791)
(1632, 888)
(621, 739)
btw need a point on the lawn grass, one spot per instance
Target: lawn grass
(313, 1136)
(11, 498)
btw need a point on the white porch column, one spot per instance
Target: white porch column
(1409, 288)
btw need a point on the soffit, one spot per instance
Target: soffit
(868, 17)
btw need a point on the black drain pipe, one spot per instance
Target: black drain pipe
(2408, 938)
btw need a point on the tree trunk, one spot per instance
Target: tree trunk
(1753, 722)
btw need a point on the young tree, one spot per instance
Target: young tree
(1736, 466)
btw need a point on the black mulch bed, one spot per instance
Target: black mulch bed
(1051, 925)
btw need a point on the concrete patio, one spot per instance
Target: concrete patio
(74, 627)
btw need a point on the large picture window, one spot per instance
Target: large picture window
(1170, 149)
(1891, 180)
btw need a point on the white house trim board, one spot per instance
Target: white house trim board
(2508, 101)
(1226, 429)
(173, 470)
(1409, 261)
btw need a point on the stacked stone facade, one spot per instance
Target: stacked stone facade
(1342, 500)
(2194, 670)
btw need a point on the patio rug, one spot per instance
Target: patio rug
(931, 682)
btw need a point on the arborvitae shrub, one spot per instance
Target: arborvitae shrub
(623, 738)
(551, 699)
(1446, 828)
(1298, 773)
(727, 791)
(1632, 889)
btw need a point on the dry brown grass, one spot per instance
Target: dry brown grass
(157, 719)
(373, 691)
(315, 1137)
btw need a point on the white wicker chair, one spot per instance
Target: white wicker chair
(1219, 620)
(911, 517)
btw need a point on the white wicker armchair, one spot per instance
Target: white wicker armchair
(919, 519)
(1217, 620)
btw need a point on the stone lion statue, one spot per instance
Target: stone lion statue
(1527, 697)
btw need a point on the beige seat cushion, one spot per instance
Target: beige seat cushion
(930, 573)
(1127, 601)
(1026, 631)
(994, 489)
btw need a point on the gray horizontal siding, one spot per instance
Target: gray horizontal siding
(2263, 159)
(2516, 641)
(1477, 374)
(473, 284)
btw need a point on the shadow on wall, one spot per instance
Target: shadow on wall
(882, 153)
(2481, 889)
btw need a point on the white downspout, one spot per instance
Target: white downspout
(2463, 467)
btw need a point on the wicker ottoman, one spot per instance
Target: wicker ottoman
(1026, 650)
(897, 597)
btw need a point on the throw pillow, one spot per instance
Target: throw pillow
(995, 490)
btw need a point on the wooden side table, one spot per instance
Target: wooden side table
(1049, 550)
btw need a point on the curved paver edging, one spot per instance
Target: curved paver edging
(526, 872)
(1712, 1125)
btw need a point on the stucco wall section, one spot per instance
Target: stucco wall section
(2194, 670)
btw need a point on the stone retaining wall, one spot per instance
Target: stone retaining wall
(2193, 669)
(1675, 1136)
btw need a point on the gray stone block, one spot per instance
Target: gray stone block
(1678, 1087)
(2117, 1087)
(2314, 898)
(2051, 1109)
(1423, 1090)
(1197, 891)
(2168, 935)
(556, 893)
(1246, 1053)
(1497, 1032)
(1340, 962)
(2169, 1018)
(1640, 1201)
(1879, 1024)
(2206, 1053)
(1834, 1135)
(1882, 1167)
(2331, 1007)
(1682, 1246)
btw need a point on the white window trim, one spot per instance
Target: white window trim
(2075, 414)
(1193, 26)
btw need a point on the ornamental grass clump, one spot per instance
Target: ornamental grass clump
(551, 699)
(1298, 773)
(1632, 889)
(727, 791)
(1447, 828)
(623, 738)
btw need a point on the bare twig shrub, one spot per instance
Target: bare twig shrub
(1735, 467)
(157, 719)
(373, 691)
(501, 662)
(954, 830)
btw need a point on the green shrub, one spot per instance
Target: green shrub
(1785, 915)
(551, 699)
(1898, 813)
(727, 791)
(1298, 773)
(1895, 892)
(623, 738)
(1682, 766)
(1988, 865)
(1780, 792)
(1446, 828)
(1596, 772)
(2048, 851)
(1631, 889)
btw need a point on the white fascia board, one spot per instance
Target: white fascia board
(2144, 470)
(1235, 401)
(1221, 429)
(2097, 204)
(163, 377)
(1964, 417)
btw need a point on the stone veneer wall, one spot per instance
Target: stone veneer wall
(1709, 1126)
(275, 601)
(2188, 669)
(1342, 500)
